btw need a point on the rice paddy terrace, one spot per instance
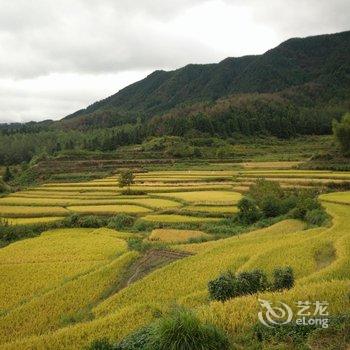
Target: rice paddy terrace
(68, 286)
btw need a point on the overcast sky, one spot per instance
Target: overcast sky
(57, 56)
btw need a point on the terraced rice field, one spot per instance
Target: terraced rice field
(206, 197)
(227, 209)
(66, 287)
(108, 209)
(175, 236)
(173, 218)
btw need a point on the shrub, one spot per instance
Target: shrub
(248, 211)
(183, 330)
(229, 286)
(90, 221)
(223, 287)
(341, 131)
(126, 178)
(101, 344)
(316, 217)
(251, 282)
(76, 220)
(263, 189)
(4, 188)
(283, 278)
(307, 201)
(7, 175)
(138, 340)
(271, 206)
(121, 221)
(142, 226)
(288, 203)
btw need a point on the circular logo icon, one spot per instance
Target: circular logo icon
(271, 316)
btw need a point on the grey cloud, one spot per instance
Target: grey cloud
(290, 18)
(40, 38)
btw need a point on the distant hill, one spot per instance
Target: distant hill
(322, 60)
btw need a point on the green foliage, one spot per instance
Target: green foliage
(121, 221)
(283, 278)
(263, 189)
(101, 344)
(248, 211)
(222, 288)
(307, 201)
(251, 282)
(229, 285)
(138, 340)
(7, 175)
(271, 207)
(76, 220)
(182, 330)
(4, 188)
(316, 217)
(126, 178)
(341, 131)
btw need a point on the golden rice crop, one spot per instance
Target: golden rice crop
(40, 201)
(108, 209)
(337, 197)
(28, 211)
(172, 218)
(169, 284)
(30, 221)
(64, 302)
(212, 209)
(245, 309)
(175, 236)
(220, 197)
(31, 266)
(76, 337)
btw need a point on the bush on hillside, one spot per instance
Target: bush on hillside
(316, 217)
(264, 189)
(283, 278)
(223, 287)
(271, 207)
(248, 211)
(228, 285)
(121, 221)
(101, 344)
(341, 131)
(8, 176)
(183, 330)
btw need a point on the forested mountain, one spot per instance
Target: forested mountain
(297, 88)
(322, 60)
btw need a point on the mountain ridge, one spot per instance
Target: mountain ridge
(294, 62)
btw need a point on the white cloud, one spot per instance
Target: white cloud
(58, 56)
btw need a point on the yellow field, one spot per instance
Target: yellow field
(108, 209)
(176, 218)
(29, 221)
(212, 209)
(27, 211)
(68, 287)
(175, 236)
(339, 197)
(219, 197)
(32, 266)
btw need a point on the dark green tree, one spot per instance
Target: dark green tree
(126, 178)
(7, 175)
(341, 132)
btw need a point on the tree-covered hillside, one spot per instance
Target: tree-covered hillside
(297, 88)
(321, 60)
